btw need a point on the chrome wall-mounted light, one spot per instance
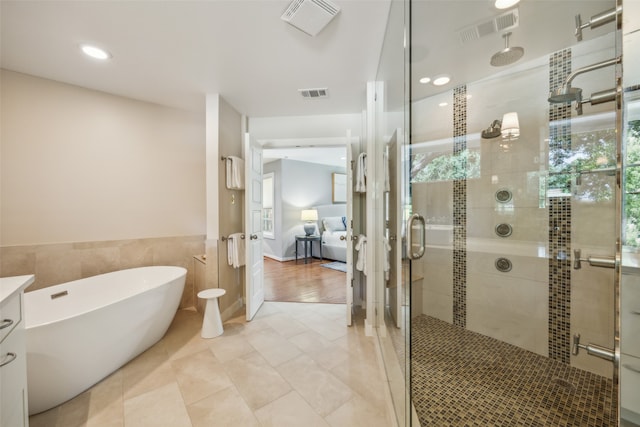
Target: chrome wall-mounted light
(510, 125)
(493, 131)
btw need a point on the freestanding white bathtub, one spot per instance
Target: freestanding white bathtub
(79, 332)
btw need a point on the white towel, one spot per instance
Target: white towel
(385, 159)
(387, 253)
(235, 250)
(361, 173)
(361, 247)
(235, 173)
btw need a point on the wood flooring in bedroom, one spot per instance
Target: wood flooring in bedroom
(299, 282)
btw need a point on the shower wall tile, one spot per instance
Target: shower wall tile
(438, 281)
(438, 305)
(560, 218)
(528, 224)
(59, 263)
(524, 187)
(510, 309)
(529, 267)
(460, 210)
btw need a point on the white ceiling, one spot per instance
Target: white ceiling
(175, 52)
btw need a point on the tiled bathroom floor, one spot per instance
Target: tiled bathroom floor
(462, 378)
(295, 364)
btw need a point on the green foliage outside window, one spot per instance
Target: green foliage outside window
(445, 167)
(631, 231)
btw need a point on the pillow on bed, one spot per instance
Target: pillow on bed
(335, 223)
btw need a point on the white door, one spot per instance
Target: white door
(349, 234)
(254, 274)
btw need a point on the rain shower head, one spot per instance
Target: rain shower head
(567, 94)
(564, 94)
(508, 55)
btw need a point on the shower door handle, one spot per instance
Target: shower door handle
(412, 221)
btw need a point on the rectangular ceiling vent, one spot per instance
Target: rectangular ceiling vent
(497, 24)
(310, 16)
(314, 93)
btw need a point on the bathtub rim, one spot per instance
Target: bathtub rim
(52, 289)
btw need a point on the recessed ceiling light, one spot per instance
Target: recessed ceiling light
(95, 52)
(343, 158)
(505, 4)
(443, 104)
(441, 80)
(469, 96)
(425, 80)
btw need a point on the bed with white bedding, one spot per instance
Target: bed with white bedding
(332, 226)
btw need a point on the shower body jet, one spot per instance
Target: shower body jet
(568, 94)
(596, 20)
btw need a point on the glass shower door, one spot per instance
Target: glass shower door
(513, 303)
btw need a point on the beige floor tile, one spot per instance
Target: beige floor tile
(330, 356)
(310, 341)
(141, 379)
(106, 407)
(45, 419)
(365, 377)
(315, 384)
(291, 410)
(337, 312)
(75, 412)
(272, 346)
(183, 337)
(256, 380)
(226, 347)
(285, 325)
(267, 310)
(324, 369)
(357, 412)
(224, 408)
(162, 407)
(200, 375)
(330, 329)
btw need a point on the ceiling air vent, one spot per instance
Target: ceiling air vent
(310, 16)
(497, 24)
(314, 93)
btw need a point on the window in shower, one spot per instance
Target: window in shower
(439, 166)
(631, 224)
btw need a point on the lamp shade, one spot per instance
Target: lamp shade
(510, 125)
(309, 215)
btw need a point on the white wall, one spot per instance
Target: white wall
(320, 126)
(79, 165)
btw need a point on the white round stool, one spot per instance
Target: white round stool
(212, 323)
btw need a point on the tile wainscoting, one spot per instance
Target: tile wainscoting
(58, 263)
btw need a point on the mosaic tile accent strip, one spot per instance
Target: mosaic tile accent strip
(559, 213)
(462, 378)
(460, 209)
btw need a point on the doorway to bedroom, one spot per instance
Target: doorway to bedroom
(304, 215)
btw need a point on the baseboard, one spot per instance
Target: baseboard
(289, 258)
(231, 310)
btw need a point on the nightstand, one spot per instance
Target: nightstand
(308, 243)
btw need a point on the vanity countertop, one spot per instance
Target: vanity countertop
(10, 285)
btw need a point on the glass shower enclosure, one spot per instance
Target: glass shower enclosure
(506, 216)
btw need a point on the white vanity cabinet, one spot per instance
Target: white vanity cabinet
(13, 355)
